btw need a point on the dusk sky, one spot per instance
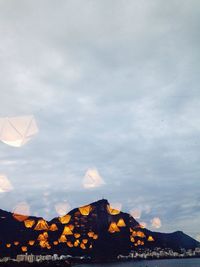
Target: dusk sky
(114, 86)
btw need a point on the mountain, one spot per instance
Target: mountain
(97, 230)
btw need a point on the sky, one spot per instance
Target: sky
(113, 86)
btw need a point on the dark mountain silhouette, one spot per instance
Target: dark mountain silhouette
(96, 230)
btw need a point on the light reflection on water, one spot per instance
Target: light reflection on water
(151, 263)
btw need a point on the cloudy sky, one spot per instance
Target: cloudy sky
(113, 85)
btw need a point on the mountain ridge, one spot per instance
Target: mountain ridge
(96, 229)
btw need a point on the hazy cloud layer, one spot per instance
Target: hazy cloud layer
(113, 85)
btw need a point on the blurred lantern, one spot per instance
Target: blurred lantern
(17, 131)
(82, 246)
(62, 208)
(41, 225)
(92, 179)
(140, 234)
(77, 235)
(31, 242)
(29, 223)
(53, 227)
(43, 236)
(55, 243)
(65, 219)
(76, 243)
(90, 234)
(150, 239)
(156, 222)
(8, 245)
(5, 185)
(113, 228)
(21, 212)
(16, 243)
(24, 249)
(135, 213)
(143, 225)
(95, 236)
(85, 241)
(69, 244)
(121, 223)
(132, 239)
(114, 208)
(85, 210)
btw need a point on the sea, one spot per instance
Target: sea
(195, 262)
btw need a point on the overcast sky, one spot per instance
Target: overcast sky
(113, 85)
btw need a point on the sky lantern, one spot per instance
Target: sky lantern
(5, 184)
(62, 239)
(85, 210)
(69, 244)
(21, 212)
(24, 249)
(77, 235)
(121, 223)
(43, 244)
(17, 131)
(43, 236)
(76, 243)
(95, 236)
(150, 239)
(114, 208)
(55, 243)
(65, 219)
(82, 246)
(90, 234)
(53, 227)
(156, 222)
(113, 228)
(29, 223)
(143, 224)
(132, 239)
(92, 179)
(136, 213)
(31, 242)
(67, 231)
(62, 208)
(140, 234)
(41, 225)
(8, 245)
(16, 243)
(85, 241)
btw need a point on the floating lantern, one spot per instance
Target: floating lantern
(17, 131)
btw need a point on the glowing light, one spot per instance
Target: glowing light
(121, 223)
(114, 208)
(156, 222)
(5, 184)
(53, 227)
(41, 225)
(85, 210)
(31, 242)
(136, 213)
(113, 228)
(92, 179)
(65, 219)
(150, 238)
(17, 131)
(21, 212)
(29, 223)
(67, 231)
(62, 208)
(143, 225)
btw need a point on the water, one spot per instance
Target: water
(151, 263)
